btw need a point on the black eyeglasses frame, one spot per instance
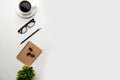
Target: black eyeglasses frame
(26, 26)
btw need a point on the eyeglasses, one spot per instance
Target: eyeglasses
(30, 24)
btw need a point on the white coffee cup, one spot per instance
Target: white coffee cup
(26, 8)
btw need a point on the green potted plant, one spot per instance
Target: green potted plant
(27, 73)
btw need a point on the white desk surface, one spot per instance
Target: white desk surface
(80, 40)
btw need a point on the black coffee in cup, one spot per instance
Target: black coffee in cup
(25, 6)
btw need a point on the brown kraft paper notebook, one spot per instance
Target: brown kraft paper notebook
(29, 53)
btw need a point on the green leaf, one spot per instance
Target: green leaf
(27, 73)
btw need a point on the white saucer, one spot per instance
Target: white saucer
(26, 14)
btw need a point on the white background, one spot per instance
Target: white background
(79, 38)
